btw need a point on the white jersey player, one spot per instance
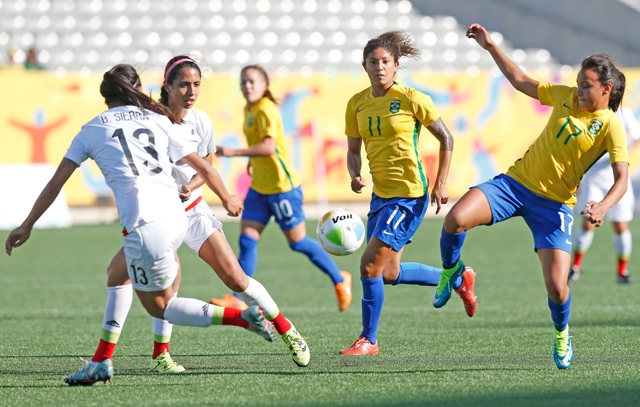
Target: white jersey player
(594, 186)
(132, 144)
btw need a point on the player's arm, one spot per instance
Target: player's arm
(354, 164)
(520, 80)
(439, 193)
(596, 210)
(45, 199)
(212, 178)
(264, 148)
(196, 182)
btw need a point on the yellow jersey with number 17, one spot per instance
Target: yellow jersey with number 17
(272, 174)
(570, 144)
(390, 127)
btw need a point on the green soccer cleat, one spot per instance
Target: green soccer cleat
(164, 364)
(562, 348)
(258, 323)
(92, 372)
(297, 346)
(445, 285)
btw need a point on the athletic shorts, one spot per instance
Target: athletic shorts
(201, 224)
(550, 222)
(150, 248)
(285, 207)
(593, 189)
(395, 220)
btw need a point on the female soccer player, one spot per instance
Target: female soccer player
(275, 188)
(594, 187)
(132, 143)
(388, 117)
(540, 186)
(204, 236)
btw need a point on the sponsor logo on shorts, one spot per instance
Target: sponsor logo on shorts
(384, 232)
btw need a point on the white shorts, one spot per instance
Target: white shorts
(594, 189)
(150, 248)
(202, 223)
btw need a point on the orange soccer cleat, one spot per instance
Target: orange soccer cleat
(361, 347)
(466, 291)
(343, 291)
(229, 301)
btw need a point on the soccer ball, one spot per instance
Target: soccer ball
(340, 232)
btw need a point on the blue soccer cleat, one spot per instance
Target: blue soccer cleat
(562, 349)
(92, 372)
(445, 285)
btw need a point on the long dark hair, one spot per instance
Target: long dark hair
(171, 71)
(398, 43)
(605, 67)
(259, 68)
(121, 83)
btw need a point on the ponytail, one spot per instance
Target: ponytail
(121, 84)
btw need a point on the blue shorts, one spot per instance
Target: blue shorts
(395, 220)
(286, 207)
(550, 222)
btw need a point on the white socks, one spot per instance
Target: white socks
(189, 311)
(117, 308)
(256, 294)
(622, 244)
(583, 240)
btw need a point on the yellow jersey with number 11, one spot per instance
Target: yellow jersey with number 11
(570, 144)
(390, 127)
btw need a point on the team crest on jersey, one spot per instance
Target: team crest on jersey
(595, 127)
(250, 121)
(395, 106)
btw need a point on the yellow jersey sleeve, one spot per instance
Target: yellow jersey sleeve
(549, 93)
(351, 120)
(423, 108)
(617, 143)
(265, 124)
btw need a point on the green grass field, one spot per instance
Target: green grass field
(52, 294)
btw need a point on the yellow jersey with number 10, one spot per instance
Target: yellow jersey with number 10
(390, 127)
(570, 144)
(272, 174)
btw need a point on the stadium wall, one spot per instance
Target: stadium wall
(492, 124)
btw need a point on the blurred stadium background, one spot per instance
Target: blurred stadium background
(313, 51)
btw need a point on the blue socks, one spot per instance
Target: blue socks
(450, 247)
(372, 300)
(319, 257)
(421, 274)
(560, 313)
(248, 257)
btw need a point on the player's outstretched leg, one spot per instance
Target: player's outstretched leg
(92, 372)
(297, 346)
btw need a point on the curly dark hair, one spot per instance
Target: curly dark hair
(398, 43)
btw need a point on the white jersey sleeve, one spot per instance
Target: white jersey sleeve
(198, 135)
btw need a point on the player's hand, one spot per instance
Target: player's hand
(16, 238)
(439, 197)
(222, 151)
(357, 184)
(480, 34)
(234, 206)
(594, 212)
(184, 193)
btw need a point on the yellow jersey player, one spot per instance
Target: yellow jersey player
(540, 186)
(387, 118)
(275, 188)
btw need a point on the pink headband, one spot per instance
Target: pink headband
(173, 65)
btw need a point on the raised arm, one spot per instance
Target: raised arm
(595, 211)
(212, 178)
(520, 80)
(354, 164)
(439, 193)
(49, 194)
